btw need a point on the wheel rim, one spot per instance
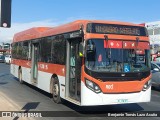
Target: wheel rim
(55, 90)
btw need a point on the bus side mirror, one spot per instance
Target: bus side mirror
(80, 50)
(5, 13)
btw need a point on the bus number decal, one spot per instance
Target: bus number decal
(43, 66)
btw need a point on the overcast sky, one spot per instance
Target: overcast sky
(34, 13)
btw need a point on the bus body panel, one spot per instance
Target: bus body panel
(44, 79)
(89, 98)
(44, 82)
(14, 70)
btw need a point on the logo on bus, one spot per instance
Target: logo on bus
(109, 87)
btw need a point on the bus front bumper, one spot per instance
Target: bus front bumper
(90, 98)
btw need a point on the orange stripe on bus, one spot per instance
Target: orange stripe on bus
(44, 67)
(114, 37)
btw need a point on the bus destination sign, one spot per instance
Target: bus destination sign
(116, 29)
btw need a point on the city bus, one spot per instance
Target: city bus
(86, 62)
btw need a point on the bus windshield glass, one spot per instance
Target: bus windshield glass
(117, 56)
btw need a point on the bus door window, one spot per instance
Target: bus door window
(29, 51)
(72, 68)
(72, 64)
(35, 55)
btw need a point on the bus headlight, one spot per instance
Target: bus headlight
(92, 86)
(146, 85)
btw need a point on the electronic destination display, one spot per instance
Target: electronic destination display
(116, 29)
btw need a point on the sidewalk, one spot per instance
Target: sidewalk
(6, 104)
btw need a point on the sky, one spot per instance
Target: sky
(34, 13)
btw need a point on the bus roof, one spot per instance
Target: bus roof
(31, 33)
(38, 32)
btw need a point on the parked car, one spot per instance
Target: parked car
(155, 69)
(8, 59)
(2, 58)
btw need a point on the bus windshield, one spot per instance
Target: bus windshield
(117, 56)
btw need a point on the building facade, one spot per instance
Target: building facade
(5, 48)
(154, 35)
(154, 32)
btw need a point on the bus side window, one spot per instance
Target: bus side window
(45, 44)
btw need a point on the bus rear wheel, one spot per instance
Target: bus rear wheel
(20, 76)
(56, 90)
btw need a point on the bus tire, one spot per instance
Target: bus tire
(56, 90)
(20, 76)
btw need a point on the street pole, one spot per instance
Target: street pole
(152, 27)
(153, 40)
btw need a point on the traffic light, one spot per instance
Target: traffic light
(5, 13)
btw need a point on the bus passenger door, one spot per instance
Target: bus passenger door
(74, 69)
(34, 61)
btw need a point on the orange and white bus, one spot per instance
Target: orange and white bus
(86, 62)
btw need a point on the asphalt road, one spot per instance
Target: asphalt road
(29, 98)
